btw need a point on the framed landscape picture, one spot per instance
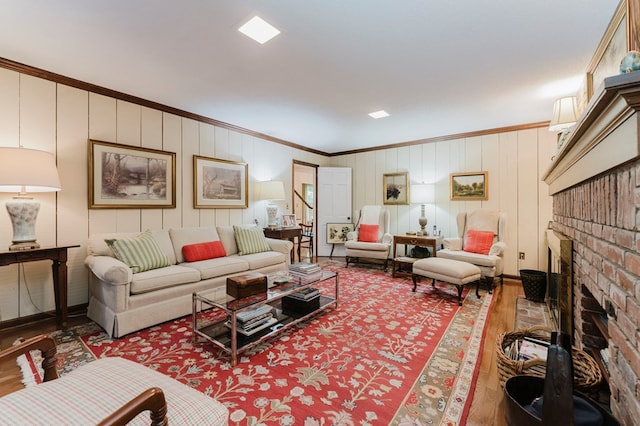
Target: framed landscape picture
(396, 188)
(219, 184)
(122, 176)
(469, 186)
(337, 232)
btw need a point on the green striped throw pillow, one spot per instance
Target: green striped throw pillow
(250, 240)
(141, 253)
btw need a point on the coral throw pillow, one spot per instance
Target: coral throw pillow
(203, 251)
(478, 242)
(368, 233)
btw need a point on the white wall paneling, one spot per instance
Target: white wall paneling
(9, 135)
(512, 161)
(45, 115)
(73, 214)
(151, 137)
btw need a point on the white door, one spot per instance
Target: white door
(334, 205)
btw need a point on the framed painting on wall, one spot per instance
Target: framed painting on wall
(122, 176)
(219, 184)
(396, 188)
(469, 186)
(612, 48)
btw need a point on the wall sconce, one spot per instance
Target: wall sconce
(422, 194)
(272, 190)
(565, 114)
(24, 171)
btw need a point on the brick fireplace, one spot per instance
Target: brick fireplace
(595, 183)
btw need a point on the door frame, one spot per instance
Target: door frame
(315, 193)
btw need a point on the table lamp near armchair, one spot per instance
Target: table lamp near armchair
(23, 171)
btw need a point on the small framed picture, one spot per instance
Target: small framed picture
(337, 232)
(396, 188)
(469, 186)
(288, 220)
(219, 184)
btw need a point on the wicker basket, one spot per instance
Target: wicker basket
(586, 373)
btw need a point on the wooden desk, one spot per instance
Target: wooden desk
(400, 262)
(290, 234)
(58, 255)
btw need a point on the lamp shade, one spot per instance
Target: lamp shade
(27, 170)
(422, 194)
(565, 114)
(269, 190)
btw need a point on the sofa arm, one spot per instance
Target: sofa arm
(497, 249)
(282, 246)
(109, 269)
(452, 243)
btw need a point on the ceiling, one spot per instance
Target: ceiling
(438, 67)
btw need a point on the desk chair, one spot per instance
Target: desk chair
(306, 241)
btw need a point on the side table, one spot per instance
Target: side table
(293, 234)
(401, 263)
(58, 255)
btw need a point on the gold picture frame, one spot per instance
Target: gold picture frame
(219, 184)
(129, 177)
(613, 46)
(470, 186)
(395, 187)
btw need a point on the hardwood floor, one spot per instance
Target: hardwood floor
(487, 407)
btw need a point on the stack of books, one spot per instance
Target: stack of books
(306, 294)
(305, 272)
(254, 320)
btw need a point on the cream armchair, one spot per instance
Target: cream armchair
(491, 264)
(378, 244)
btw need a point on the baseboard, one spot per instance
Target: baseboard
(29, 319)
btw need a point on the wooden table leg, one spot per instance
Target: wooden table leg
(59, 270)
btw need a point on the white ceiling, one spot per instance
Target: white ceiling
(438, 67)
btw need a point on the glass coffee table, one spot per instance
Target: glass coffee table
(235, 325)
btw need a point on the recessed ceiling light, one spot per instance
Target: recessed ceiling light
(379, 114)
(259, 30)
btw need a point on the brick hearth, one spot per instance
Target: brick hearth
(595, 183)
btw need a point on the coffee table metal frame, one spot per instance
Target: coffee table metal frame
(226, 337)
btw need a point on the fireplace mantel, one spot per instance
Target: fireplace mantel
(606, 135)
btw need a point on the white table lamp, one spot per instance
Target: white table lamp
(24, 171)
(272, 190)
(565, 114)
(422, 194)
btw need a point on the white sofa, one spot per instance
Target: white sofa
(123, 302)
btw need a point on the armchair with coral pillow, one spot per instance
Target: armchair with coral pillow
(371, 239)
(480, 241)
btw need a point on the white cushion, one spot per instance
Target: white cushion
(169, 276)
(90, 393)
(451, 271)
(220, 266)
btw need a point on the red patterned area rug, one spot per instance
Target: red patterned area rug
(387, 355)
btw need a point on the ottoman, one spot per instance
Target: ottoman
(450, 271)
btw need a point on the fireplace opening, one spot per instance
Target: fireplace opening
(559, 297)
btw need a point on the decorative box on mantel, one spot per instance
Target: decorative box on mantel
(605, 136)
(246, 285)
